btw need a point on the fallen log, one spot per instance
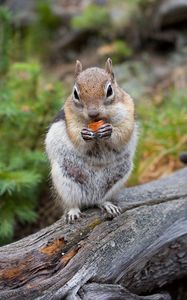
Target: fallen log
(96, 258)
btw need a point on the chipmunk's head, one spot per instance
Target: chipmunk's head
(94, 91)
(96, 95)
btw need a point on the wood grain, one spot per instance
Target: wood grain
(138, 252)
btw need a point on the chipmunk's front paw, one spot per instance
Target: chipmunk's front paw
(87, 134)
(111, 209)
(104, 132)
(73, 214)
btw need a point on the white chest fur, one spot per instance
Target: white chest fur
(89, 177)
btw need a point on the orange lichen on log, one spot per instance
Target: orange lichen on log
(96, 125)
(11, 273)
(53, 247)
(69, 255)
(16, 271)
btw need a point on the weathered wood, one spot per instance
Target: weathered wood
(142, 249)
(110, 291)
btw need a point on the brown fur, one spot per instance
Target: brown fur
(88, 168)
(74, 123)
(91, 85)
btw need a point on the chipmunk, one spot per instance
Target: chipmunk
(88, 167)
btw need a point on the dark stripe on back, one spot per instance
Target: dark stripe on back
(60, 116)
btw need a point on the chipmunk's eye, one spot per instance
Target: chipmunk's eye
(109, 91)
(76, 98)
(75, 93)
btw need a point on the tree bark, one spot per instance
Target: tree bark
(96, 258)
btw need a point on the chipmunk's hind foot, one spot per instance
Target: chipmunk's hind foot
(73, 215)
(111, 209)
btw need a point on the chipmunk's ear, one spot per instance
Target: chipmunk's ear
(78, 68)
(108, 68)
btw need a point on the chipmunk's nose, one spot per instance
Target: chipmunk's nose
(93, 113)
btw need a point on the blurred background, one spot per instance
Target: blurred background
(39, 43)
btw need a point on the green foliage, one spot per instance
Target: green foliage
(5, 33)
(42, 31)
(46, 16)
(120, 51)
(94, 17)
(163, 135)
(27, 106)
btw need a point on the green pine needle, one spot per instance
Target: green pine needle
(15, 181)
(26, 214)
(6, 227)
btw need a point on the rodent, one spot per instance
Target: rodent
(88, 169)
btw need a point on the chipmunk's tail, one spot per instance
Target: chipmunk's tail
(183, 157)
